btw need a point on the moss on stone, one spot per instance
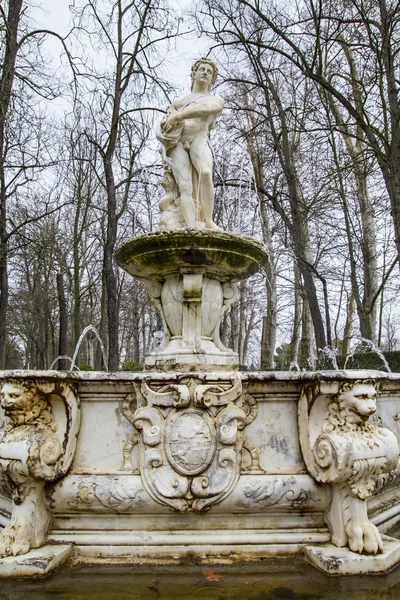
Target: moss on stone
(226, 254)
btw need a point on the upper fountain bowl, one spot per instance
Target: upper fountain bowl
(226, 255)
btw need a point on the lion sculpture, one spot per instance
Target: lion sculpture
(31, 454)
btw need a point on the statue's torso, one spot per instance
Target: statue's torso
(198, 126)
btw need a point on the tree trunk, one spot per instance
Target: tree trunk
(63, 323)
(298, 226)
(348, 328)
(109, 270)
(99, 362)
(366, 306)
(298, 309)
(270, 323)
(271, 319)
(234, 316)
(135, 333)
(6, 84)
(242, 321)
(77, 271)
(306, 353)
(41, 344)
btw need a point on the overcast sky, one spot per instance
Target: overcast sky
(55, 15)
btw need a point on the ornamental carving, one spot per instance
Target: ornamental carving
(120, 494)
(37, 444)
(190, 438)
(260, 494)
(341, 447)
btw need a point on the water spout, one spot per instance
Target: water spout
(158, 337)
(374, 348)
(330, 354)
(294, 366)
(63, 357)
(78, 345)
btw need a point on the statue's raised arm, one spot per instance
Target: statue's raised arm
(184, 133)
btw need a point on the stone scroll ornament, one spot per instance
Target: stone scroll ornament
(190, 438)
(341, 448)
(37, 443)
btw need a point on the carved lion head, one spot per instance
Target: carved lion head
(357, 400)
(23, 403)
(351, 408)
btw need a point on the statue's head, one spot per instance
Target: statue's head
(22, 402)
(357, 401)
(205, 64)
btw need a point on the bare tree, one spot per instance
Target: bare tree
(311, 35)
(24, 77)
(120, 95)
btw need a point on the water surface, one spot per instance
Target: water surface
(272, 580)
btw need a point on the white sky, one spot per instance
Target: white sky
(55, 15)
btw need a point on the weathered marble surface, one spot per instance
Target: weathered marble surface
(188, 162)
(38, 562)
(341, 448)
(191, 280)
(341, 561)
(37, 443)
(217, 464)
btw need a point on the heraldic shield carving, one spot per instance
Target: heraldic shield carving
(190, 436)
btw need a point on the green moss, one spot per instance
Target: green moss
(131, 365)
(224, 254)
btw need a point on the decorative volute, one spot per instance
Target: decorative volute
(343, 449)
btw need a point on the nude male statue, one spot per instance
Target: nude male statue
(184, 134)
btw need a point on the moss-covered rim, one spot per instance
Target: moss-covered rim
(191, 238)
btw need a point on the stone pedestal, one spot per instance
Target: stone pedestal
(341, 561)
(191, 279)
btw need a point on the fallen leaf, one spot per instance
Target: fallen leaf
(212, 575)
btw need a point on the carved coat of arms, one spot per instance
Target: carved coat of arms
(190, 436)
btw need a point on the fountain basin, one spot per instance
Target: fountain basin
(191, 279)
(226, 256)
(147, 484)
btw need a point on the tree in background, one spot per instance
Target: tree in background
(121, 91)
(294, 168)
(25, 141)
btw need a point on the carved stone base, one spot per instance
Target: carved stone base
(341, 561)
(180, 467)
(191, 280)
(36, 563)
(176, 356)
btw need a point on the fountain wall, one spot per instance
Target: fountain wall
(251, 498)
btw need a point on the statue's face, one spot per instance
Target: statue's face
(359, 402)
(15, 399)
(204, 73)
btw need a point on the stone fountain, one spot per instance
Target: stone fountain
(192, 459)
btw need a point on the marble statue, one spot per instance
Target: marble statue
(342, 448)
(184, 133)
(35, 447)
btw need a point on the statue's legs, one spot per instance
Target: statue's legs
(201, 157)
(182, 171)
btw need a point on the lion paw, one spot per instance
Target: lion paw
(13, 542)
(364, 537)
